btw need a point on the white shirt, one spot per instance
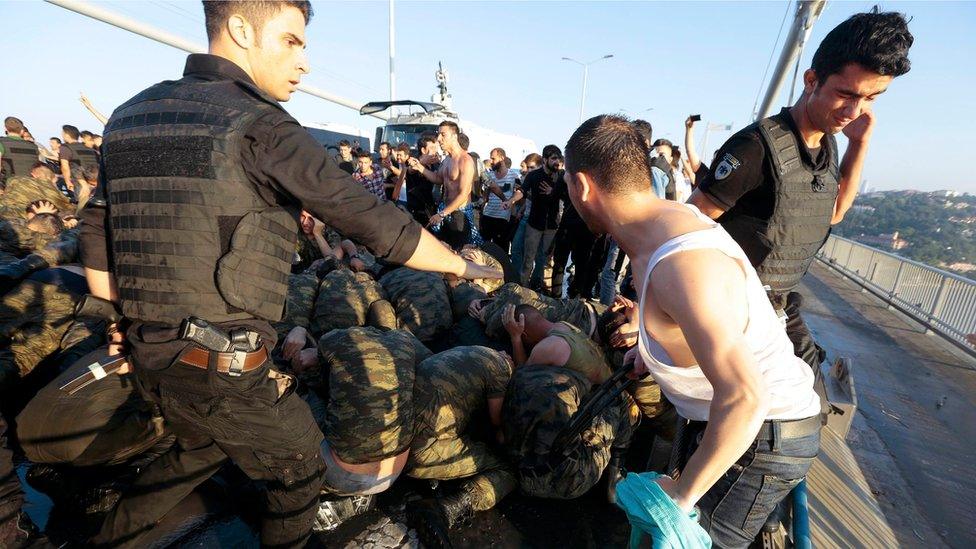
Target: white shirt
(788, 379)
(493, 208)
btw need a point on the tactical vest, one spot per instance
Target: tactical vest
(83, 156)
(661, 163)
(783, 246)
(190, 234)
(19, 156)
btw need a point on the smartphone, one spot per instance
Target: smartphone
(696, 118)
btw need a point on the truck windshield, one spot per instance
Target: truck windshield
(406, 133)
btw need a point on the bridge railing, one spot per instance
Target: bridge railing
(942, 301)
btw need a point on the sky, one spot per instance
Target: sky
(670, 59)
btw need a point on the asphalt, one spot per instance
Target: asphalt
(915, 432)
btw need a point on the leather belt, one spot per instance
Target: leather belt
(200, 358)
(797, 428)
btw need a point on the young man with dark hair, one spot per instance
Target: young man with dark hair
(74, 156)
(778, 185)
(503, 187)
(174, 260)
(542, 187)
(420, 190)
(17, 155)
(345, 158)
(456, 174)
(371, 179)
(707, 334)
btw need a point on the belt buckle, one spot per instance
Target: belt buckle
(237, 363)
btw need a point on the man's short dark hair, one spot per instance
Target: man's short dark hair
(363, 154)
(499, 150)
(664, 142)
(13, 125)
(551, 150)
(879, 42)
(530, 312)
(387, 143)
(87, 133)
(452, 125)
(645, 129)
(403, 147)
(464, 141)
(257, 12)
(70, 131)
(425, 139)
(345, 143)
(612, 152)
(58, 139)
(46, 223)
(533, 158)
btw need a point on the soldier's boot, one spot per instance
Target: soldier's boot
(433, 518)
(334, 510)
(613, 473)
(20, 533)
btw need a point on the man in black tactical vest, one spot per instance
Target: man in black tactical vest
(17, 155)
(201, 186)
(74, 156)
(778, 185)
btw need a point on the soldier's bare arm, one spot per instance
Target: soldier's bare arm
(703, 291)
(551, 351)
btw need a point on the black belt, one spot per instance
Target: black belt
(795, 428)
(778, 429)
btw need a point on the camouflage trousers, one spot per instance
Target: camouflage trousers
(449, 456)
(451, 392)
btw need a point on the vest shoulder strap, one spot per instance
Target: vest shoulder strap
(781, 143)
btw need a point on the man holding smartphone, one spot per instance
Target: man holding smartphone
(778, 185)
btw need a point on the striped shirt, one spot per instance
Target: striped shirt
(493, 208)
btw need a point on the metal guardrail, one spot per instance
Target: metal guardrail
(943, 302)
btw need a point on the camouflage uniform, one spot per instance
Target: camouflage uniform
(343, 300)
(299, 302)
(451, 392)
(646, 392)
(421, 301)
(575, 311)
(21, 191)
(35, 316)
(538, 404)
(17, 240)
(462, 295)
(369, 415)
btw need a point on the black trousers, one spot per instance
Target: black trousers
(804, 345)
(497, 230)
(270, 435)
(455, 230)
(576, 239)
(11, 495)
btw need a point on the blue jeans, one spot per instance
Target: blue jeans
(609, 278)
(518, 243)
(735, 508)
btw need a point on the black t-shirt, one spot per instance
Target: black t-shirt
(65, 153)
(545, 207)
(420, 191)
(741, 177)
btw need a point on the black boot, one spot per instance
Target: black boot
(433, 518)
(613, 473)
(333, 511)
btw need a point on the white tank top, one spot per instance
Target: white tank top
(789, 380)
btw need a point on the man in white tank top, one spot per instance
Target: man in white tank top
(708, 336)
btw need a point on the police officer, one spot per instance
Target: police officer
(17, 155)
(778, 185)
(202, 182)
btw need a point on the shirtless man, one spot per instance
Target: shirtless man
(456, 175)
(708, 335)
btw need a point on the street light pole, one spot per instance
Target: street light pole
(586, 71)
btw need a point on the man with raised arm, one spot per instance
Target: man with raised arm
(456, 175)
(708, 335)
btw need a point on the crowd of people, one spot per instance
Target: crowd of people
(139, 273)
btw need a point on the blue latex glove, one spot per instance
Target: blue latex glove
(652, 512)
